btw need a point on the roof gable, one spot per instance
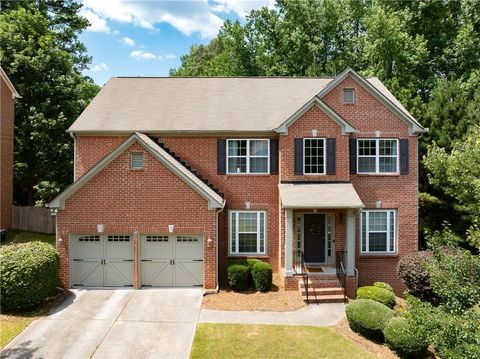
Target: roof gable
(213, 198)
(376, 88)
(316, 101)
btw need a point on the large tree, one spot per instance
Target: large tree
(40, 51)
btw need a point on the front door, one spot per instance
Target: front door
(314, 238)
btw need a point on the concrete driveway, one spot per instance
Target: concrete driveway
(152, 323)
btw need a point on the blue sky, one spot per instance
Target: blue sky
(147, 38)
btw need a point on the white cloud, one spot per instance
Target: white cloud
(188, 17)
(128, 41)
(97, 24)
(99, 67)
(140, 55)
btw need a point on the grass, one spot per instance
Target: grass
(16, 236)
(12, 324)
(272, 341)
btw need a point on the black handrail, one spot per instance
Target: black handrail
(340, 270)
(301, 269)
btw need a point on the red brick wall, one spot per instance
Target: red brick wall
(6, 154)
(398, 192)
(314, 118)
(128, 200)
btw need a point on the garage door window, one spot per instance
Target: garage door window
(247, 232)
(157, 238)
(89, 239)
(119, 238)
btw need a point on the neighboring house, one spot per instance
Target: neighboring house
(8, 94)
(176, 176)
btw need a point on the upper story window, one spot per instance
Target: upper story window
(377, 155)
(378, 228)
(247, 232)
(248, 156)
(136, 160)
(314, 156)
(348, 95)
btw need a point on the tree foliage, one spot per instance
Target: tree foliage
(41, 53)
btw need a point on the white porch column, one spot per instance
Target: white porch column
(288, 242)
(350, 242)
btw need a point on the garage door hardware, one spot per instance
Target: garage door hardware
(77, 260)
(146, 260)
(197, 260)
(128, 260)
(172, 262)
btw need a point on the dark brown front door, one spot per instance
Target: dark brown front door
(314, 238)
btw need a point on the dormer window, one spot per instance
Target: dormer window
(136, 160)
(348, 95)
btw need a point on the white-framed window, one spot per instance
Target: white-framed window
(248, 156)
(348, 95)
(248, 232)
(314, 156)
(378, 231)
(136, 160)
(377, 155)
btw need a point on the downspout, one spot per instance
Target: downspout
(217, 287)
(74, 156)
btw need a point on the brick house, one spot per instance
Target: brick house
(176, 176)
(8, 94)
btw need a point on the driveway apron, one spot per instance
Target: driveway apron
(103, 323)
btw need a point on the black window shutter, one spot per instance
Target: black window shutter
(221, 156)
(404, 157)
(331, 154)
(353, 156)
(274, 156)
(298, 160)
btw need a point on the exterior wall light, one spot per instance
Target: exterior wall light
(314, 132)
(171, 228)
(100, 228)
(248, 205)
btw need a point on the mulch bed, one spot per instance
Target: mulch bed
(276, 300)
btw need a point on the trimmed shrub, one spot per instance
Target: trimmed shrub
(368, 318)
(377, 294)
(402, 336)
(238, 276)
(251, 262)
(262, 276)
(412, 270)
(28, 274)
(384, 286)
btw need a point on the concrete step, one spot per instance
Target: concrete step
(322, 291)
(321, 283)
(332, 298)
(323, 276)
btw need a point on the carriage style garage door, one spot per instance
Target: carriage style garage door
(101, 260)
(171, 261)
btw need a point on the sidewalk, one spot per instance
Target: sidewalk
(313, 315)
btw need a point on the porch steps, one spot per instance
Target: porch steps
(322, 288)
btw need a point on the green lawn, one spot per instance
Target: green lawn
(16, 236)
(272, 341)
(12, 324)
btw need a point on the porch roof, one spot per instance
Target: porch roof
(319, 195)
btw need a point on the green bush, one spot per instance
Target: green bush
(251, 262)
(384, 286)
(402, 336)
(377, 294)
(369, 318)
(238, 276)
(262, 276)
(28, 274)
(412, 270)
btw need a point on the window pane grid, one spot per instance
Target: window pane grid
(247, 232)
(377, 156)
(377, 231)
(314, 156)
(248, 156)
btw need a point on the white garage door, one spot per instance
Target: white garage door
(101, 260)
(172, 261)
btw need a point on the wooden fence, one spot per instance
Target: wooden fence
(33, 219)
